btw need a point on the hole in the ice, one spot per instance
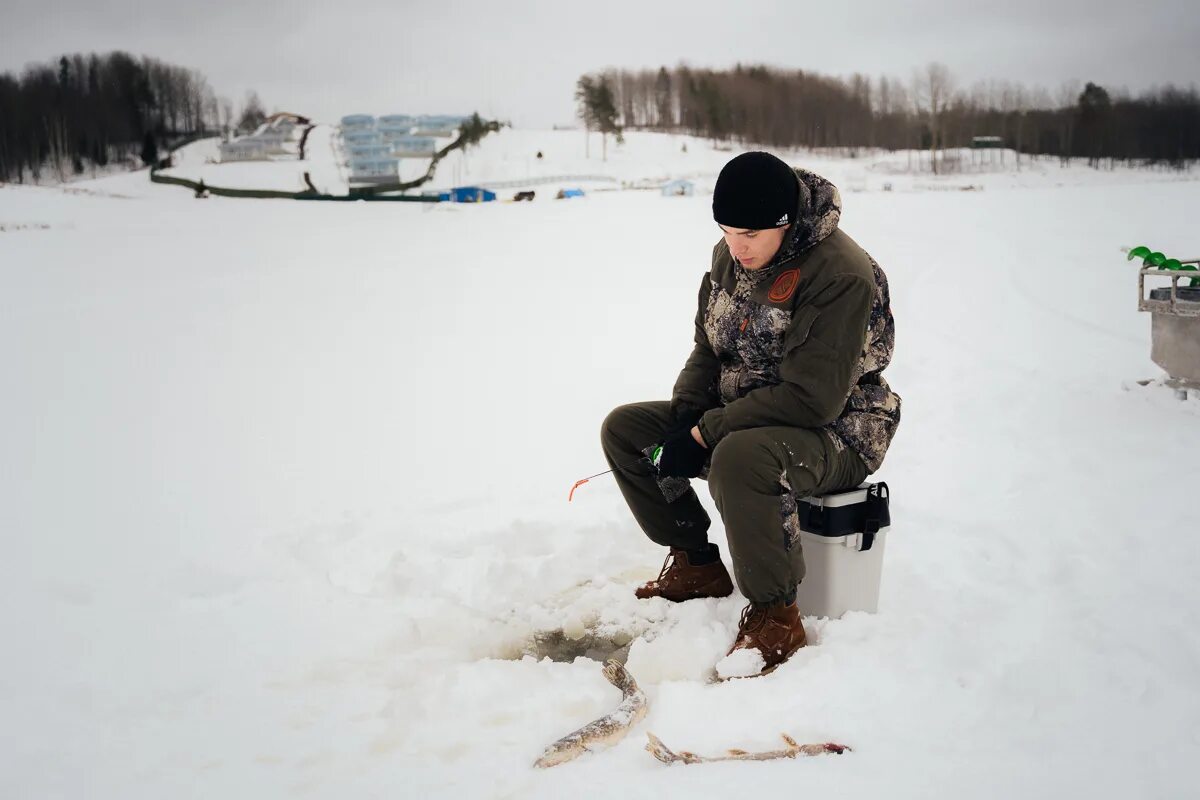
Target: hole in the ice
(558, 645)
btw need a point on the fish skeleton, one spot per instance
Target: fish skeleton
(791, 750)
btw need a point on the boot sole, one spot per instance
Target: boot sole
(696, 596)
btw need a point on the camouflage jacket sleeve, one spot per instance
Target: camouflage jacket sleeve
(821, 350)
(697, 382)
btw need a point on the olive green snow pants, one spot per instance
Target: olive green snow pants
(748, 474)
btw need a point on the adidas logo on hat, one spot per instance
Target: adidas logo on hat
(782, 221)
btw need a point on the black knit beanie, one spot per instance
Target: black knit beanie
(755, 190)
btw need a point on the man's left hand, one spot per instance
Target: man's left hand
(683, 455)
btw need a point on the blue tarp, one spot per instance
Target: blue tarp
(679, 188)
(471, 194)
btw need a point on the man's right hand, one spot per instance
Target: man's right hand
(684, 418)
(682, 456)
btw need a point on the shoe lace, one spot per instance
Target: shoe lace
(753, 618)
(668, 562)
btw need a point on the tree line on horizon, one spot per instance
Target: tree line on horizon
(85, 112)
(796, 108)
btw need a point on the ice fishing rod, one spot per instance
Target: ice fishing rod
(653, 459)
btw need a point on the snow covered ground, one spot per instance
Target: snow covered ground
(285, 173)
(507, 161)
(648, 159)
(285, 487)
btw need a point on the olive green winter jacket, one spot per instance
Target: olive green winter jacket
(801, 342)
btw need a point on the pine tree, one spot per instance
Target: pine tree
(1094, 108)
(585, 92)
(597, 108)
(253, 114)
(149, 150)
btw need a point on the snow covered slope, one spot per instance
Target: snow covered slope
(507, 161)
(285, 173)
(285, 489)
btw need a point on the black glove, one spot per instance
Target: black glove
(684, 417)
(682, 456)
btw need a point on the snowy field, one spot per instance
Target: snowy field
(285, 488)
(507, 162)
(323, 161)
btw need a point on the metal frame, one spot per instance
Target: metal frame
(1180, 308)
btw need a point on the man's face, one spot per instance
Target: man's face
(753, 249)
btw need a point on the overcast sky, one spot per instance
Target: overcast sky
(520, 60)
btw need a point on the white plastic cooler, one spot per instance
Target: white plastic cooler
(843, 535)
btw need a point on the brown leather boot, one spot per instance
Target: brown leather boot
(679, 580)
(775, 631)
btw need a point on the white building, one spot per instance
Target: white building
(277, 136)
(413, 146)
(679, 188)
(367, 151)
(357, 122)
(374, 170)
(402, 121)
(244, 149)
(442, 125)
(353, 137)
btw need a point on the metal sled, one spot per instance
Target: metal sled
(1175, 324)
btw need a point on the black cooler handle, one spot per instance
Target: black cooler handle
(876, 510)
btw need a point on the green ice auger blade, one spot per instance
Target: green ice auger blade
(1155, 259)
(1171, 263)
(1141, 251)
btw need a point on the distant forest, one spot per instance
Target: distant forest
(81, 113)
(794, 108)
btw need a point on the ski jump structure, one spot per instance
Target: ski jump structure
(373, 192)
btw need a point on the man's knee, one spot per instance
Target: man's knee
(615, 427)
(758, 456)
(741, 456)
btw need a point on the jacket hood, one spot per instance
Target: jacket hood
(818, 211)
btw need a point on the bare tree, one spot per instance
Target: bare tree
(932, 87)
(664, 105)
(765, 106)
(1065, 99)
(82, 112)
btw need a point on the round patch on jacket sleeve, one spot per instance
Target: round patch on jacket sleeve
(784, 285)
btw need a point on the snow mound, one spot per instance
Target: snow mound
(741, 663)
(689, 637)
(1162, 395)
